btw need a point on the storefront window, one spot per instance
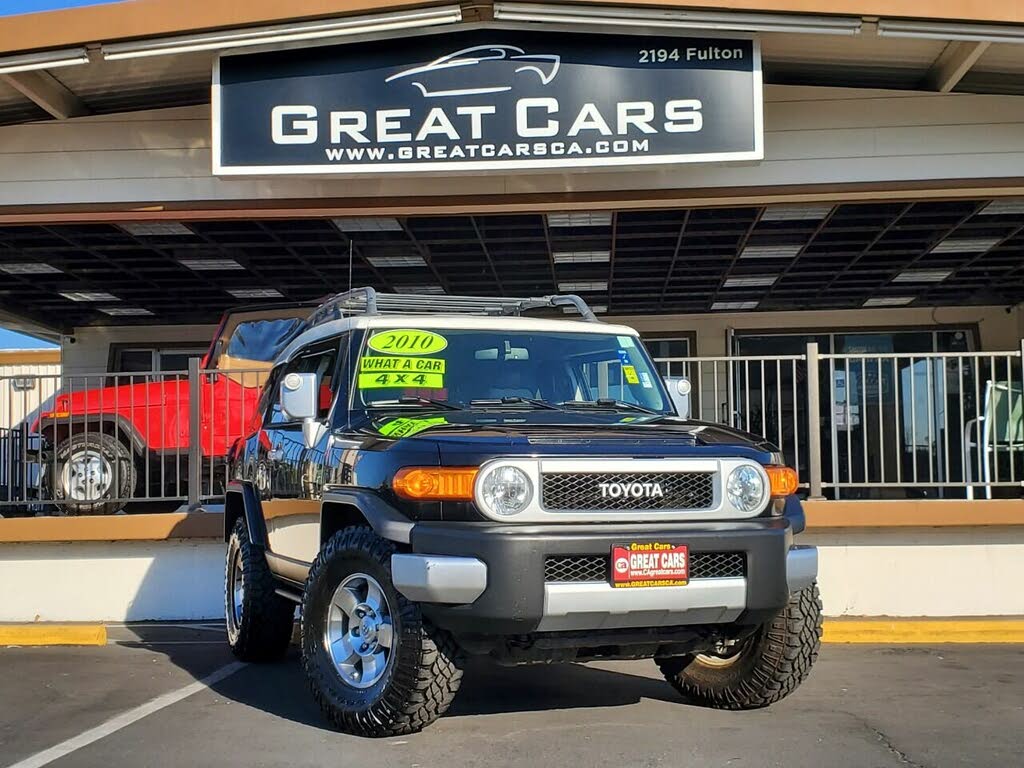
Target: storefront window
(884, 413)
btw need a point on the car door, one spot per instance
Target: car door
(291, 471)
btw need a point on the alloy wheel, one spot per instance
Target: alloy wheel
(359, 632)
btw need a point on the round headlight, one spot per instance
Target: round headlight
(745, 489)
(506, 490)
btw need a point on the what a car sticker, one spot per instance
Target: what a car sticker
(630, 373)
(409, 427)
(401, 364)
(407, 341)
(411, 380)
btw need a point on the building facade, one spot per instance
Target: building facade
(814, 211)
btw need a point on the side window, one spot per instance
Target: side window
(321, 361)
(267, 397)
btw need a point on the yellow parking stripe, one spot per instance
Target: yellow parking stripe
(881, 631)
(53, 634)
(916, 631)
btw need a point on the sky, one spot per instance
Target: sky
(12, 340)
(15, 7)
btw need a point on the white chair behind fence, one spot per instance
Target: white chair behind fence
(998, 431)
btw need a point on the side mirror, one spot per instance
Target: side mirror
(299, 396)
(679, 390)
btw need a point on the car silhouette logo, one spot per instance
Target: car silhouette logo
(484, 61)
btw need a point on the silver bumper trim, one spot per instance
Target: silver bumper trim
(439, 578)
(801, 567)
(601, 606)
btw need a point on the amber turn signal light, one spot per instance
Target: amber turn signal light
(783, 480)
(435, 483)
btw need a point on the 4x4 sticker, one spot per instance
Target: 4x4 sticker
(412, 380)
(401, 364)
(407, 341)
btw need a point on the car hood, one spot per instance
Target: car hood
(473, 435)
(119, 398)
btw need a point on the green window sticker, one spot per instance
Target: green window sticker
(401, 364)
(410, 380)
(407, 341)
(408, 427)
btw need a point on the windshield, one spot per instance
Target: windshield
(257, 343)
(481, 368)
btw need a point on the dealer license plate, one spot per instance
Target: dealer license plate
(650, 564)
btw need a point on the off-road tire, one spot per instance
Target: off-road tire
(265, 627)
(425, 665)
(116, 453)
(770, 665)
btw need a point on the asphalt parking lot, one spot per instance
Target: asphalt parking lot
(138, 702)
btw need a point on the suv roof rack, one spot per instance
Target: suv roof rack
(366, 301)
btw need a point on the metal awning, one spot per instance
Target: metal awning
(753, 258)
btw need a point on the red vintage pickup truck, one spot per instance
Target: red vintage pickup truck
(105, 446)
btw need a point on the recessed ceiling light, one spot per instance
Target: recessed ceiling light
(580, 219)
(966, 244)
(719, 305)
(125, 311)
(396, 261)
(88, 296)
(797, 212)
(255, 293)
(580, 257)
(210, 265)
(29, 268)
(770, 251)
(922, 276)
(155, 228)
(889, 301)
(431, 290)
(367, 224)
(1006, 207)
(584, 286)
(750, 281)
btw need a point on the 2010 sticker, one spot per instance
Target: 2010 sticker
(630, 373)
(412, 380)
(407, 341)
(401, 364)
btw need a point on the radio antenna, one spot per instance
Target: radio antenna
(350, 250)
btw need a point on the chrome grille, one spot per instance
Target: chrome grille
(590, 568)
(582, 491)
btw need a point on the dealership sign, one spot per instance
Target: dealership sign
(488, 100)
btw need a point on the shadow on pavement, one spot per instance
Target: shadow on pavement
(280, 688)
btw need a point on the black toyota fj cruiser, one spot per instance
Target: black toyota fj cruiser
(437, 476)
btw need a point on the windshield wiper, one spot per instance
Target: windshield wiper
(416, 400)
(607, 402)
(499, 401)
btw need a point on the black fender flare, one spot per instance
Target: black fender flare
(241, 498)
(122, 426)
(385, 520)
(794, 512)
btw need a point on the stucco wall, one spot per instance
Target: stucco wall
(813, 136)
(917, 572)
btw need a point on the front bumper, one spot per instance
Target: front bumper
(489, 579)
